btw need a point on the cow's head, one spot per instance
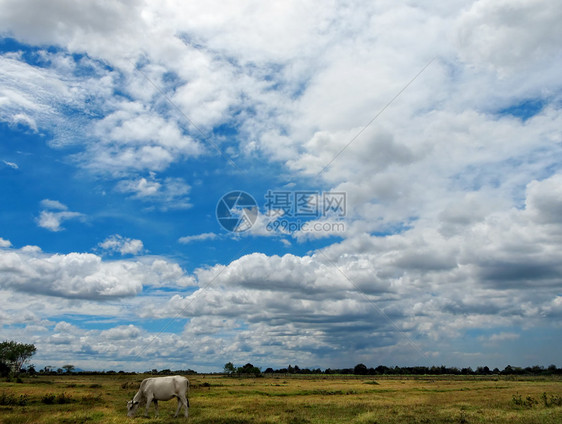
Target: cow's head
(132, 407)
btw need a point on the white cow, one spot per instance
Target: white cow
(160, 388)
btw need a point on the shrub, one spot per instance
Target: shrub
(528, 402)
(48, 399)
(61, 398)
(11, 400)
(553, 400)
(64, 398)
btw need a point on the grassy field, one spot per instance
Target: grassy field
(290, 399)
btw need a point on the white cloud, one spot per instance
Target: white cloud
(56, 213)
(53, 204)
(454, 203)
(421, 285)
(52, 220)
(509, 36)
(286, 243)
(544, 201)
(75, 275)
(11, 164)
(5, 243)
(85, 275)
(167, 193)
(121, 333)
(134, 138)
(198, 237)
(122, 245)
(499, 337)
(22, 118)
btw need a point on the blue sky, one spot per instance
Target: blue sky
(123, 125)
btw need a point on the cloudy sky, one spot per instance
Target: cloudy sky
(405, 159)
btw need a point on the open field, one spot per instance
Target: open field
(291, 399)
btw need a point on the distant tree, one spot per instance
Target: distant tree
(229, 368)
(467, 371)
(14, 355)
(47, 369)
(483, 370)
(508, 370)
(360, 369)
(249, 369)
(69, 369)
(381, 369)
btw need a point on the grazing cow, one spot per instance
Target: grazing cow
(160, 388)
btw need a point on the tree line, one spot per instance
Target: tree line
(15, 356)
(362, 369)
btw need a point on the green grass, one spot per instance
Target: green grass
(291, 400)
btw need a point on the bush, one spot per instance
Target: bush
(64, 398)
(11, 400)
(528, 402)
(553, 400)
(61, 398)
(48, 399)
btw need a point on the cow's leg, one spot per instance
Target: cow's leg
(185, 402)
(148, 402)
(156, 407)
(178, 408)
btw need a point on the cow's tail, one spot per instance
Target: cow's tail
(187, 393)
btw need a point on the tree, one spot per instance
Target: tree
(249, 369)
(360, 369)
(229, 368)
(14, 355)
(4, 369)
(68, 368)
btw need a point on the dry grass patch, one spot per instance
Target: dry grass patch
(290, 400)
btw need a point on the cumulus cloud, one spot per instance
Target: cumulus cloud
(122, 245)
(370, 293)
(453, 199)
(507, 35)
(123, 332)
(55, 214)
(85, 275)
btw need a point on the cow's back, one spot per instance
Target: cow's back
(165, 388)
